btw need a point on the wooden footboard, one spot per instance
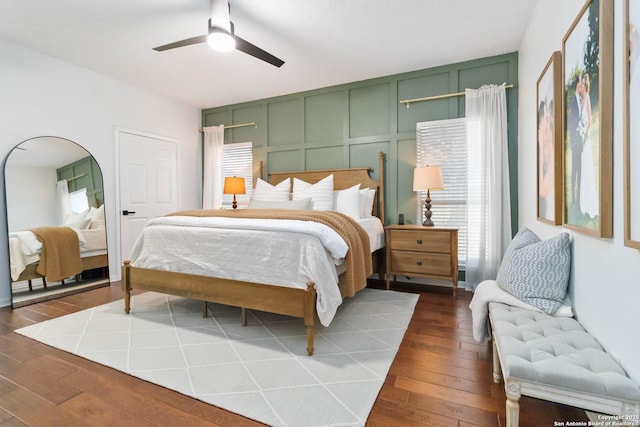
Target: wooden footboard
(270, 298)
(88, 263)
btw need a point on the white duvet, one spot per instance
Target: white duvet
(25, 248)
(279, 252)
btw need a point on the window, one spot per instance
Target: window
(78, 201)
(443, 143)
(237, 160)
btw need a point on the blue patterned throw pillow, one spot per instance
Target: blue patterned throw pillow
(537, 271)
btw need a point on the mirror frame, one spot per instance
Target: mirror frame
(97, 261)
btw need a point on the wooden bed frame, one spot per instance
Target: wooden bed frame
(247, 295)
(88, 263)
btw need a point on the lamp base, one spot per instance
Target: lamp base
(427, 211)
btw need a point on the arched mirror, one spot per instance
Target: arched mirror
(55, 220)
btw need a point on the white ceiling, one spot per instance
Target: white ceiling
(323, 42)
(45, 152)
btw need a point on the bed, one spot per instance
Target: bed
(25, 251)
(300, 301)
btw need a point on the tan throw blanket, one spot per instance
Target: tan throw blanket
(358, 258)
(60, 257)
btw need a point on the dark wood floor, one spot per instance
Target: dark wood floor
(440, 377)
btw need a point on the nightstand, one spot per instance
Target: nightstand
(419, 251)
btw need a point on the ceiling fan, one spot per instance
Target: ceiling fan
(221, 36)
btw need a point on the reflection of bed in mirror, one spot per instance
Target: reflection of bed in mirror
(25, 251)
(53, 186)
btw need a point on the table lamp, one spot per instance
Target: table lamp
(427, 178)
(234, 185)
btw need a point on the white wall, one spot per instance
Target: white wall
(605, 283)
(44, 96)
(33, 201)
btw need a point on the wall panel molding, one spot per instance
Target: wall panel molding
(347, 125)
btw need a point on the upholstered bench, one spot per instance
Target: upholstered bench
(555, 359)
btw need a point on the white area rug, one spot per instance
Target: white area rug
(260, 371)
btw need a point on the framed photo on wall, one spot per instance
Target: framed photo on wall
(587, 78)
(631, 67)
(549, 157)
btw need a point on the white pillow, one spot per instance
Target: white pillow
(348, 201)
(96, 217)
(267, 192)
(77, 220)
(321, 193)
(367, 196)
(78, 223)
(302, 204)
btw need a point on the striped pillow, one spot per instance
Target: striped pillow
(321, 193)
(266, 192)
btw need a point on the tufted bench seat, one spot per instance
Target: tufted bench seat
(555, 359)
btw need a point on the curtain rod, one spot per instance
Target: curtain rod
(76, 177)
(254, 124)
(431, 98)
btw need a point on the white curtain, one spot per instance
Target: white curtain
(64, 203)
(488, 204)
(212, 173)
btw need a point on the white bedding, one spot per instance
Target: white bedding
(25, 248)
(279, 252)
(489, 291)
(374, 228)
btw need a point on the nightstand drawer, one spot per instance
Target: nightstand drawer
(431, 241)
(421, 263)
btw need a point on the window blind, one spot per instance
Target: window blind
(443, 143)
(237, 160)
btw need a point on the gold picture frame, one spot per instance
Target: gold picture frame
(631, 157)
(587, 80)
(549, 141)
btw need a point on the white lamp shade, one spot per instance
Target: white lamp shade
(427, 178)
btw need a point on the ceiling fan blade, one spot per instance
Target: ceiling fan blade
(253, 50)
(181, 43)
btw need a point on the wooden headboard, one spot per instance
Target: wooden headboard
(343, 179)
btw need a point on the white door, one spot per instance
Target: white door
(148, 183)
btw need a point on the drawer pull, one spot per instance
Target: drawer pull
(419, 241)
(419, 263)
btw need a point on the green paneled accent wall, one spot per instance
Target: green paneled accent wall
(406, 155)
(421, 87)
(323, 118)
(347, 125)
(280, 161)
(325, 157)
(248, 133)
(84, 173)
(284, 124)
(369, 109)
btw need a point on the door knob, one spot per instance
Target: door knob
(126, 212)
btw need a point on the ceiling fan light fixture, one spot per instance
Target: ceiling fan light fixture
(221, 33)
(221, 40)
(221, 36)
